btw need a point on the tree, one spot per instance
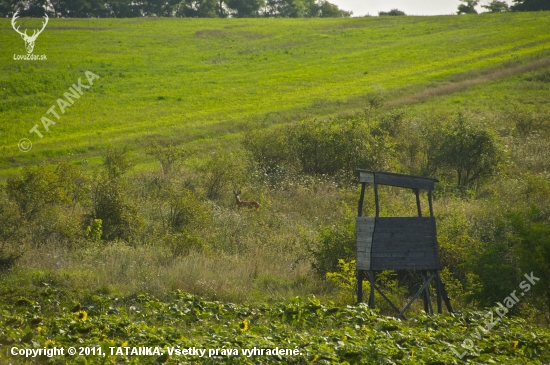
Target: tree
(328, 10)
(116, 162)
(168, 156)
(198, 9)
(28, 8)
(392, 12)
(530, 5)
(6, 9)
(80, 8)
(285, 8)
(245, 8)
(468, 7)
(496, 6)
(158, 7)
(470, 152)
(122, 9)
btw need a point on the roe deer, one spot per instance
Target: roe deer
(245, 203)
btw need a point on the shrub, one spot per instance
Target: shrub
(333, 243)
(36, 188)
(116, 162)
(109, 203)
(392, 12)
(527, 123)
(345, 280)
(392, 122)
(95, 230)
(530, 240)
(11, 234)
(330, 147)
(222, 172)
(181, 244)
(269, 149)
(469, 152)
(187, 213)
(46, 198)
(169, 156)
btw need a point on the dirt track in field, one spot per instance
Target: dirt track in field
(462, 85)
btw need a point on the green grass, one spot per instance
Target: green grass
(198, 80)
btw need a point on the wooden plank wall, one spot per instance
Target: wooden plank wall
(396, 243)
(364, 229)
(404, 181)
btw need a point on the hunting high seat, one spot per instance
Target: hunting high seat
(398, 243)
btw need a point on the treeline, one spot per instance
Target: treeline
(497, 6)
(173, 8)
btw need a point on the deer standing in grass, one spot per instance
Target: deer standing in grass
(245, 203)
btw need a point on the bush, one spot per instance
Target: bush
(392, 12)
(119, 218)
(531, 245)
(333, 243)
(527, 123)
(11, 234)
(345, 280)
(116, 162)
(95, 230)
(169, 156)
(181, 244)
(344, 144)
(269, 149)
(222, 172)
(329, 147)
(46, 198)
(187, 213)
(35, 189)
(469, 152)
(392, 122)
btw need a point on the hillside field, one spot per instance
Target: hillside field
(119, 227)
(202, 81)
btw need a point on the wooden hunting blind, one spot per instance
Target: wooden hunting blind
(398, 243)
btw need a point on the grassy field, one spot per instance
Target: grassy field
(203, 80)
(173, 262)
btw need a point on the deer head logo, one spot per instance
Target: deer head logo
(29, 40)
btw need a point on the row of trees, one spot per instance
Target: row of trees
(497, 6)
(173, 8)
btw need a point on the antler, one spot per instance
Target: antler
(43, 26)
(15, 17)
(35, 32)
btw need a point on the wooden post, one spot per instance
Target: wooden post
(415, 296)
(425, 295)
(359, 286)
(389, 301)
(438, 290)
(430, 197)
(446, 298)
(361, 198)
(428, 296)
(376, 200)
(372, 284)
(417, 193)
